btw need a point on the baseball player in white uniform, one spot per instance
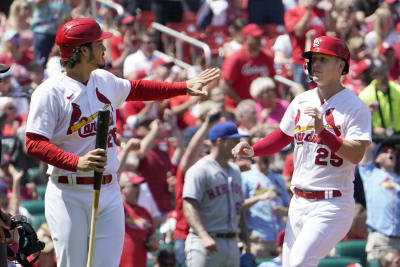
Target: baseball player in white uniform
(212, 200)
(331, 129)
(61, 131)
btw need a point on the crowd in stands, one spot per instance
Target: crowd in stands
(252, 41)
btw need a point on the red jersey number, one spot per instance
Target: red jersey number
(323, 158)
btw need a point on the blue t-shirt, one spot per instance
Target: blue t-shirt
(260, 217)
(382, 195)
(46, 17)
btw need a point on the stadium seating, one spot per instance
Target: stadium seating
(337, 262)
(37, 220)
(34, 207)
(354, 249)
(41, 189)
(373, 263)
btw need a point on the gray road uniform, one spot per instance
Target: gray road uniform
(219, 195)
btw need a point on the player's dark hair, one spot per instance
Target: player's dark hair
(76, 56)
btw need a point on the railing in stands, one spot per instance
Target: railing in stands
(109, 3)
(180, 38)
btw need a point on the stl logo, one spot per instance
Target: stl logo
(316, 43)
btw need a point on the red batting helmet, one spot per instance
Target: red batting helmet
(78, 32)
(329, 46)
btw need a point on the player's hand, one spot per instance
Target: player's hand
(5, 222)
(94, 160)
(208, 243)
(195, 85)
(317, 116)
(243, 149)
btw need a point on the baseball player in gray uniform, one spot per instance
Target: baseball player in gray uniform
(212, 200)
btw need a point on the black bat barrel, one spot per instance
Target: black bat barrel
(101, 141)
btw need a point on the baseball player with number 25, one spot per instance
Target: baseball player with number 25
(61, 132)
(331, 129)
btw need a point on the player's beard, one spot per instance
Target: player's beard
(93, 59)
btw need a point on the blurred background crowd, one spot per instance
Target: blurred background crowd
(258, 45)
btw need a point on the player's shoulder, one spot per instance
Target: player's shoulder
(306, 96)
(201, 164)
(54, 85)
(350, 100)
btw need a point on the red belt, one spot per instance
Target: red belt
(317, 194)
(84, 180)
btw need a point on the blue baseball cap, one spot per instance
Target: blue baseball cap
(224, 130)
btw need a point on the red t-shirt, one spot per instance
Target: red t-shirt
(138, 224)
(316, 22)
(182, 226)
(18, 68)
(186, 119)
(154, 167)
(352, 78)
(395, 71)
(240, 69)
(116, 46)
(288, 166)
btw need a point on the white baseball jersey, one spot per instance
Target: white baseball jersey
(65, 111)
(316, 167)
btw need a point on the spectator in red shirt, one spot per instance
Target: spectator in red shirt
(388, 54)
(242, 67)
(358, 55)
(123, 44)
(16, 58)
(139, 227)
(304, 19)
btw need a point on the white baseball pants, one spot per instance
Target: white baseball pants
(68, 212)
(314, 227)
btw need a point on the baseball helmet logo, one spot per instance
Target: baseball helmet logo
(330, 46)
(316, 42)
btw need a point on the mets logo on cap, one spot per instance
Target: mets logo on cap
(316, 42)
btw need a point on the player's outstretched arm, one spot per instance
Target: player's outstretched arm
(152, 90)
(272, 143)
(190, 210)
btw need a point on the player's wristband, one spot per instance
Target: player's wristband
(332, 141)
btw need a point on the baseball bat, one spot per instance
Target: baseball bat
(101, 142)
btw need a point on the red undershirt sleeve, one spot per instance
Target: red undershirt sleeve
(151, 90)
(40, 147)
(272, 143)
